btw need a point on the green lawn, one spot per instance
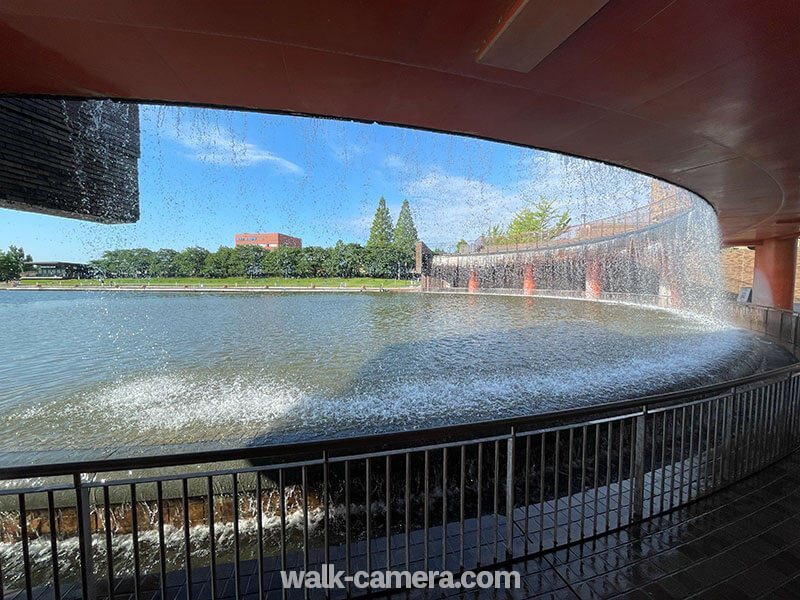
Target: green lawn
(305, 282)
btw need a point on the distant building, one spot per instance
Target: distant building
(55, 270)
(270, 241)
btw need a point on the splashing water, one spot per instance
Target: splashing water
(274, 367)
(668, 249)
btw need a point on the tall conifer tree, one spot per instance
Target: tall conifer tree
(405, 232)
(381, 233)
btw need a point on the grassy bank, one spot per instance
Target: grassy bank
(304, 282)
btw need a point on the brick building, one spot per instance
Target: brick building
(270, 241)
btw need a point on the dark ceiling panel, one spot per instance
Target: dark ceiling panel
(532, 30)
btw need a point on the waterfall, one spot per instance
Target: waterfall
(665, 254)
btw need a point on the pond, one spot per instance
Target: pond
(101, 370)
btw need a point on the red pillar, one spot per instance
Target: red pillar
(594, 273)
(472, 284)
(528, 280)
(773, 276)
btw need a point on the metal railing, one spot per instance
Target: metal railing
(462, 497)
(777, 323)
(657, 211)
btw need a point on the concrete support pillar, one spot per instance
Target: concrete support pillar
(594, 278)
(424, 264)
(773, 276)
(472, 284)
(528, 280)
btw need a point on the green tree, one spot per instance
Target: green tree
(345, 260)
(11, 263)
(315, 259)
(383, 261)
(8, 267)
(123, 262)
(115, 263)
(495, 236)
(333, 263)
(540, 219)
(302, 264)
(163, 263)
(99, 266)
(220, 263)
(405, 232)
(269, 264)
(191, 261)
(381, 232)
(246, 261)
(352, 260)
(381, 258)
(19, 254)
(283, 261)
(140, 260)
(405, 238)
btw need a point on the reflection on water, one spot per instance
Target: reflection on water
(103, 369)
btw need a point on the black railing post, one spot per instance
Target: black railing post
(84, 537)
(786, 413)
(511, 447)
(780, 330)
(727, 438)
(638, 475)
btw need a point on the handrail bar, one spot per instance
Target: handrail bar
(765, 307)
(558, 243)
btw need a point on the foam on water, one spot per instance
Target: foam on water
(39, 549)
(405, 386)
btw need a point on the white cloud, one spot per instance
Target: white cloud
(345, 152)
(448, 207)
(394, 161)
(219, 145)
(445, 208)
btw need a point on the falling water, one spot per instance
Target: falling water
(662, 257)
(105, 178)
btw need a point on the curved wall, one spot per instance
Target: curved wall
(673, 256)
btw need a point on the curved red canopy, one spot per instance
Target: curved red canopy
(705, 94)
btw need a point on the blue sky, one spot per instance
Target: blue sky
(207, 174)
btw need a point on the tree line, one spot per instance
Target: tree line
(388, 253)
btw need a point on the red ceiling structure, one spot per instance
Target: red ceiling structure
(702, 93)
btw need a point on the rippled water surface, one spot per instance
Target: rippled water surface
(106, 369)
